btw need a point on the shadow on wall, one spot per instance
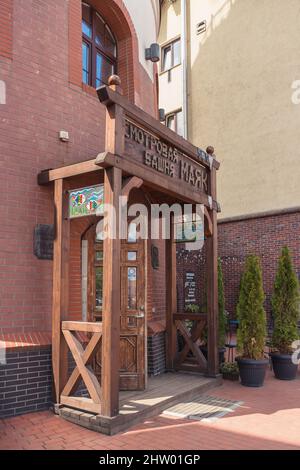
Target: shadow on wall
(242, 71)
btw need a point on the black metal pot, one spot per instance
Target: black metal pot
(221, 353)
(252, 372)
(284, 368)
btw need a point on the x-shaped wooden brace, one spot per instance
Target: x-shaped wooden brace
(191, 340)
(82, 358)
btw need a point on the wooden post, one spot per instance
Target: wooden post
(171, 297)
(115, 123)
(111, 300)
(212, 281)
(60, 289)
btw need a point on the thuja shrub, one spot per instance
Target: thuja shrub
(250, 311)
(285, 304)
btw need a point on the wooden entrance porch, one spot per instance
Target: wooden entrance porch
(140, 153)
(162, 392)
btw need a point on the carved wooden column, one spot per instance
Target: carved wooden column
(60, 300)
(171, 297)
(111, 264)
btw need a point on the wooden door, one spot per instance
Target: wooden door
(133, 313)
(132, 342)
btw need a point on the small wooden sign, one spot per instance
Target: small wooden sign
(43, 241)
(190, 288)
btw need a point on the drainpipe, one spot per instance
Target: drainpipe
(184, 66)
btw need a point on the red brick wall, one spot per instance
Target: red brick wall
(6, 12)
(40, 102)
(264, 237)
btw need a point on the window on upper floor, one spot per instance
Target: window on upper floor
(171, 55)
(99, 48)
(174, 121)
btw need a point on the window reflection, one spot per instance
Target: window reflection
(132, 233)
(99, 287)
(131, 281)
(85, 63)
(131, 256)
(99, 48)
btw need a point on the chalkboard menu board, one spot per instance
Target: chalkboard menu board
(190, 288)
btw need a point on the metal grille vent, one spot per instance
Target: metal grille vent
(201, 27)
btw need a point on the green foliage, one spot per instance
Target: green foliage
(221, 306)
(229, 368)
(285, 303)
(192, 308)
(250, 311)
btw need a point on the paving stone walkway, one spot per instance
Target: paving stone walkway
(269, 418)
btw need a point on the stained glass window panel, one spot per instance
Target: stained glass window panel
(131, 280)
(86, 201)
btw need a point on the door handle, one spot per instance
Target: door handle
(140, 315)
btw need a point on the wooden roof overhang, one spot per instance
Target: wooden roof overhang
(122, 154)
(139, 147)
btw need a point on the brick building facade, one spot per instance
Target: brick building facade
(41, 69)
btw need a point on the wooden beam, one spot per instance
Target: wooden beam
(111, 299)
(153, 179)
(208, 226)
(195, 338)
(87, 356)
(130, 183)
(46, 176)
(82, 403)
(108, 97)
(212, 286)
(86, 327)
(190, 316)
(171, 297)
(193, 347)
(88, 376)
(60, 289)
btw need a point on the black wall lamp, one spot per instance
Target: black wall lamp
(162, 115)
(153, 53)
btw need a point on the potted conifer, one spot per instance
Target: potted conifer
(252, 325)
(222, 319)
(285, 304)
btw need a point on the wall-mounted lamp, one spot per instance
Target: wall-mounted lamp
(153, 53)
(162, 114)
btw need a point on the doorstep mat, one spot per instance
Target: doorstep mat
(203, 408)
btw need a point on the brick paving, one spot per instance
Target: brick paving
(268, 419)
